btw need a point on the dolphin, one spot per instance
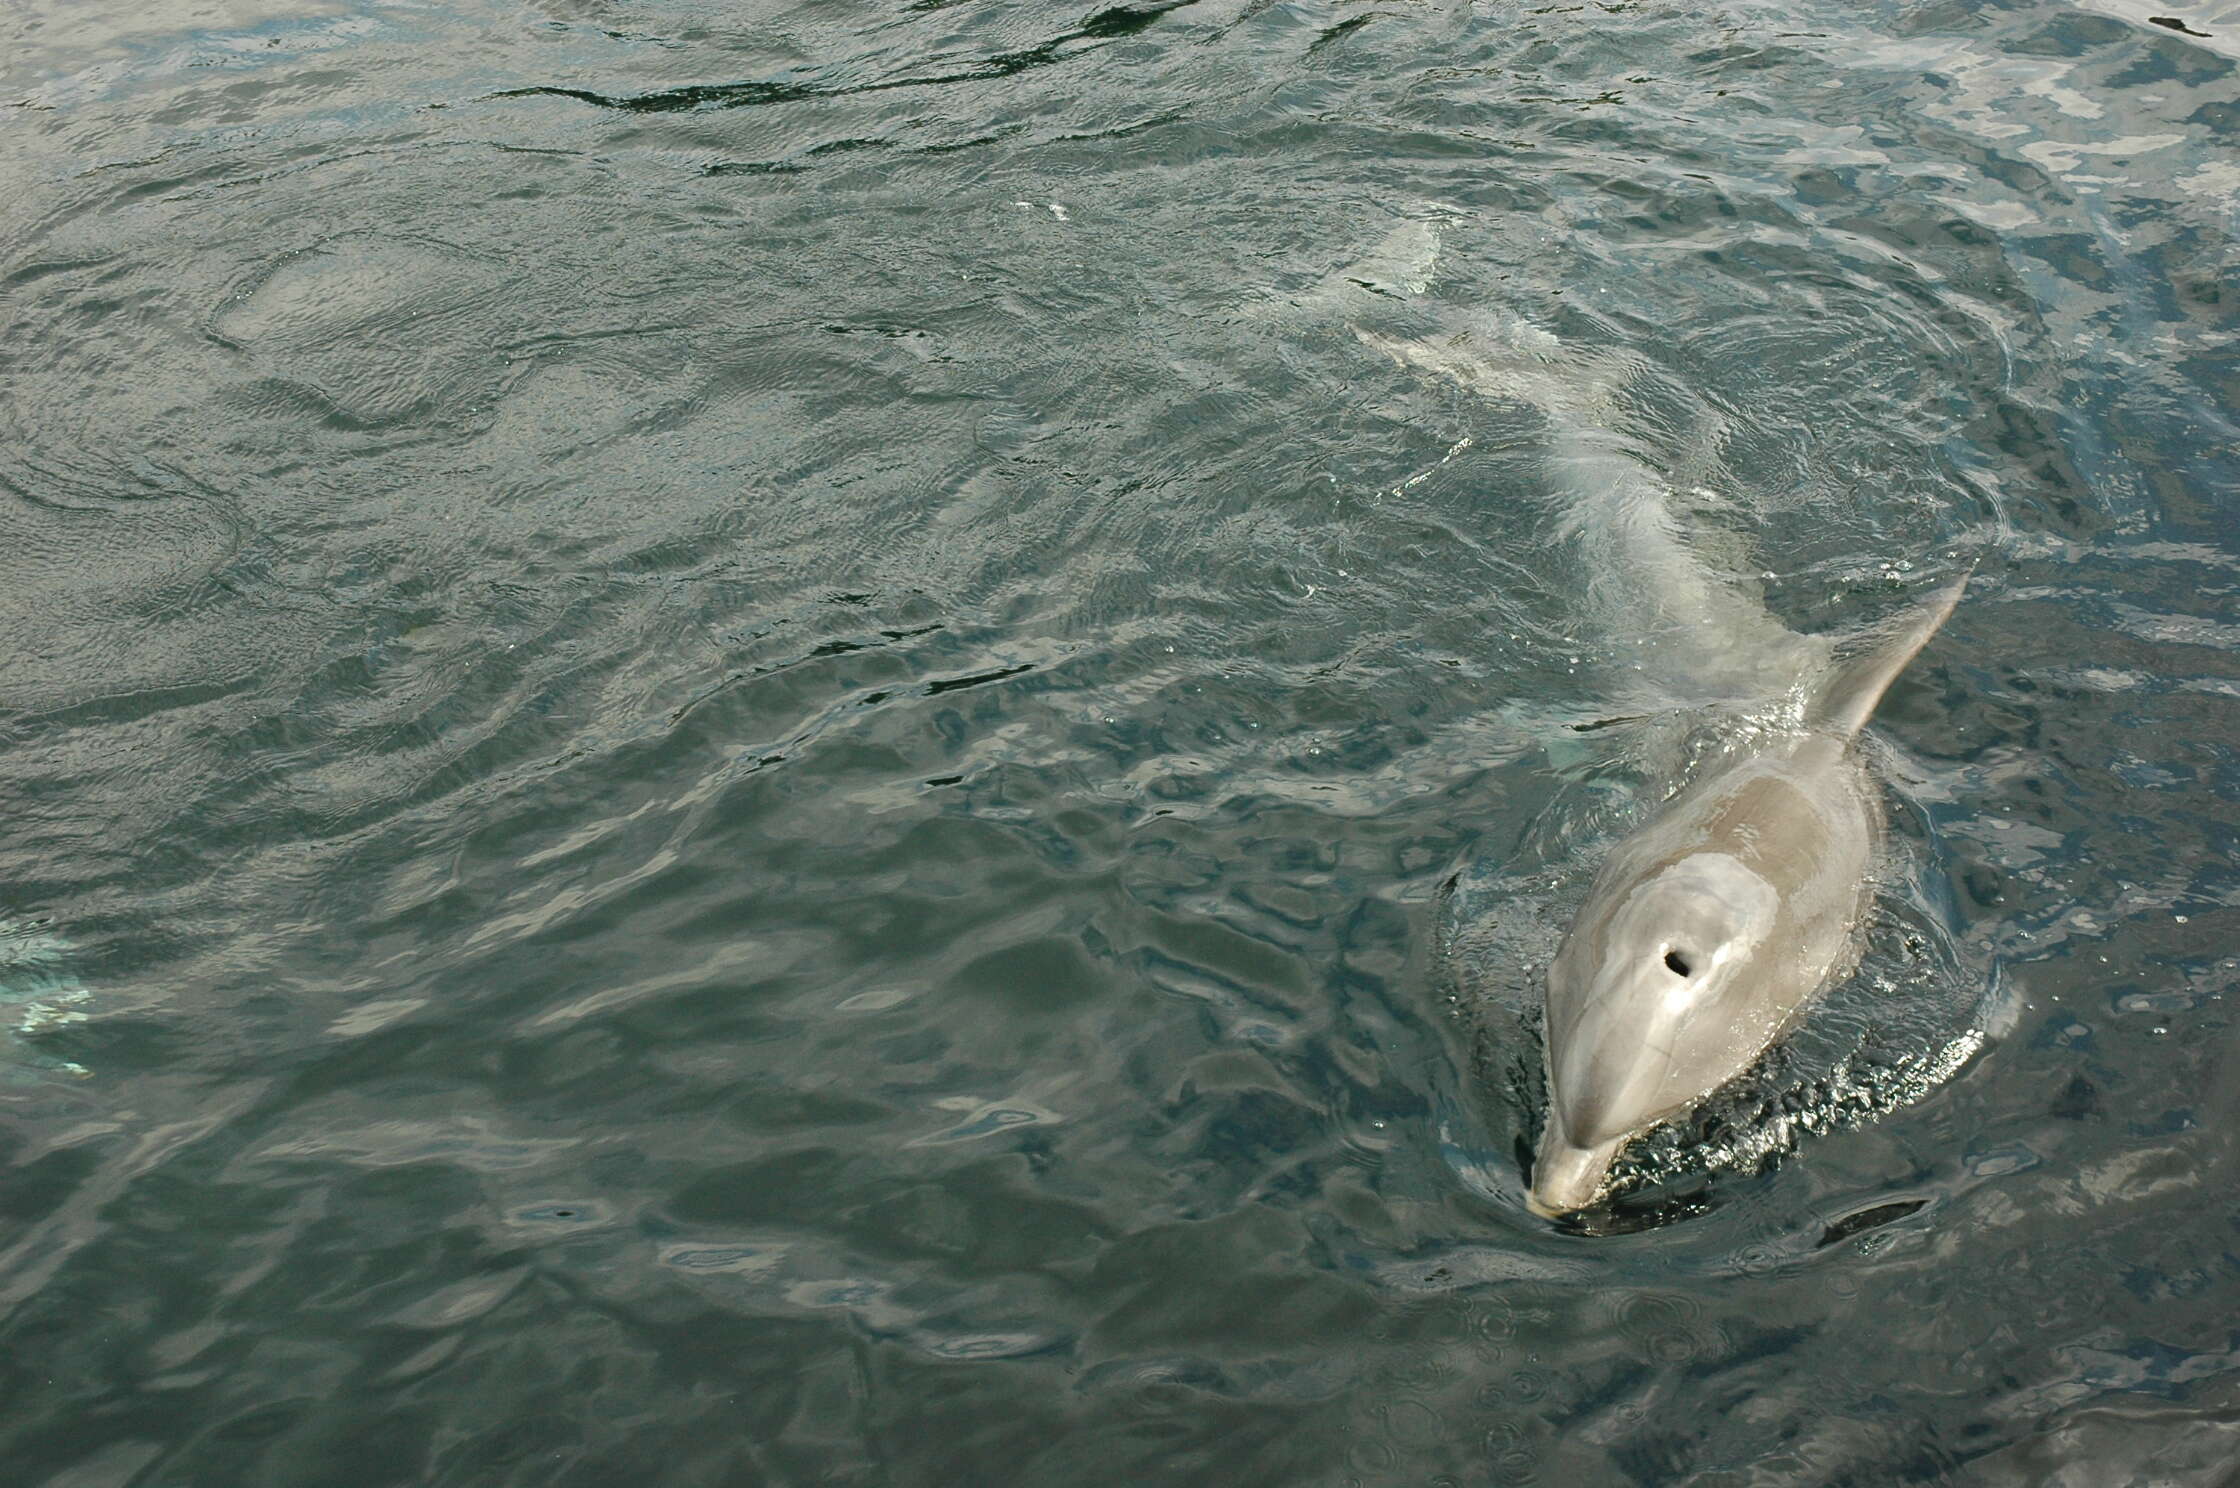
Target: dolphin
(1708, 931)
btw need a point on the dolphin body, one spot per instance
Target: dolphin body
(1709, 930)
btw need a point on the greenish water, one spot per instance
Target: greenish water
(741, 744)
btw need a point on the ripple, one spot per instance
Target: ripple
(561, 1214)
(743, 1260)
(41, 992)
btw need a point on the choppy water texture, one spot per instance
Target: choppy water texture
(746, 745)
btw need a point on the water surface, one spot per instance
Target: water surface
(732, 738)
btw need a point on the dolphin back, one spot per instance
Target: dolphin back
(1850, 691)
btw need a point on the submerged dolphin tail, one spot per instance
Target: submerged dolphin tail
(1390, 275)
(1847, 695)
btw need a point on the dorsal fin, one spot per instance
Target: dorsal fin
(1847, 695)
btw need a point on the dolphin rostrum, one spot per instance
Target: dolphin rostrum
(1712, 927)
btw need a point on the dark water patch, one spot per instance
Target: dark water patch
(979, 679)
(1105, 25)
(1853, 1225)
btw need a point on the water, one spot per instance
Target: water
(734, 740)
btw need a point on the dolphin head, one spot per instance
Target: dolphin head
(1664, 990)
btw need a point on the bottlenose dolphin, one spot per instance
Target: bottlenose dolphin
(1712, 927)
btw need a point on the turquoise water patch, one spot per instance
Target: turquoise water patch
(39, 992)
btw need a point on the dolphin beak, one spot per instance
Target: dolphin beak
(1567, 1179)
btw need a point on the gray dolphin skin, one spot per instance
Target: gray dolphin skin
(1708, 931)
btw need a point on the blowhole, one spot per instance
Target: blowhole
(1676, 963)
